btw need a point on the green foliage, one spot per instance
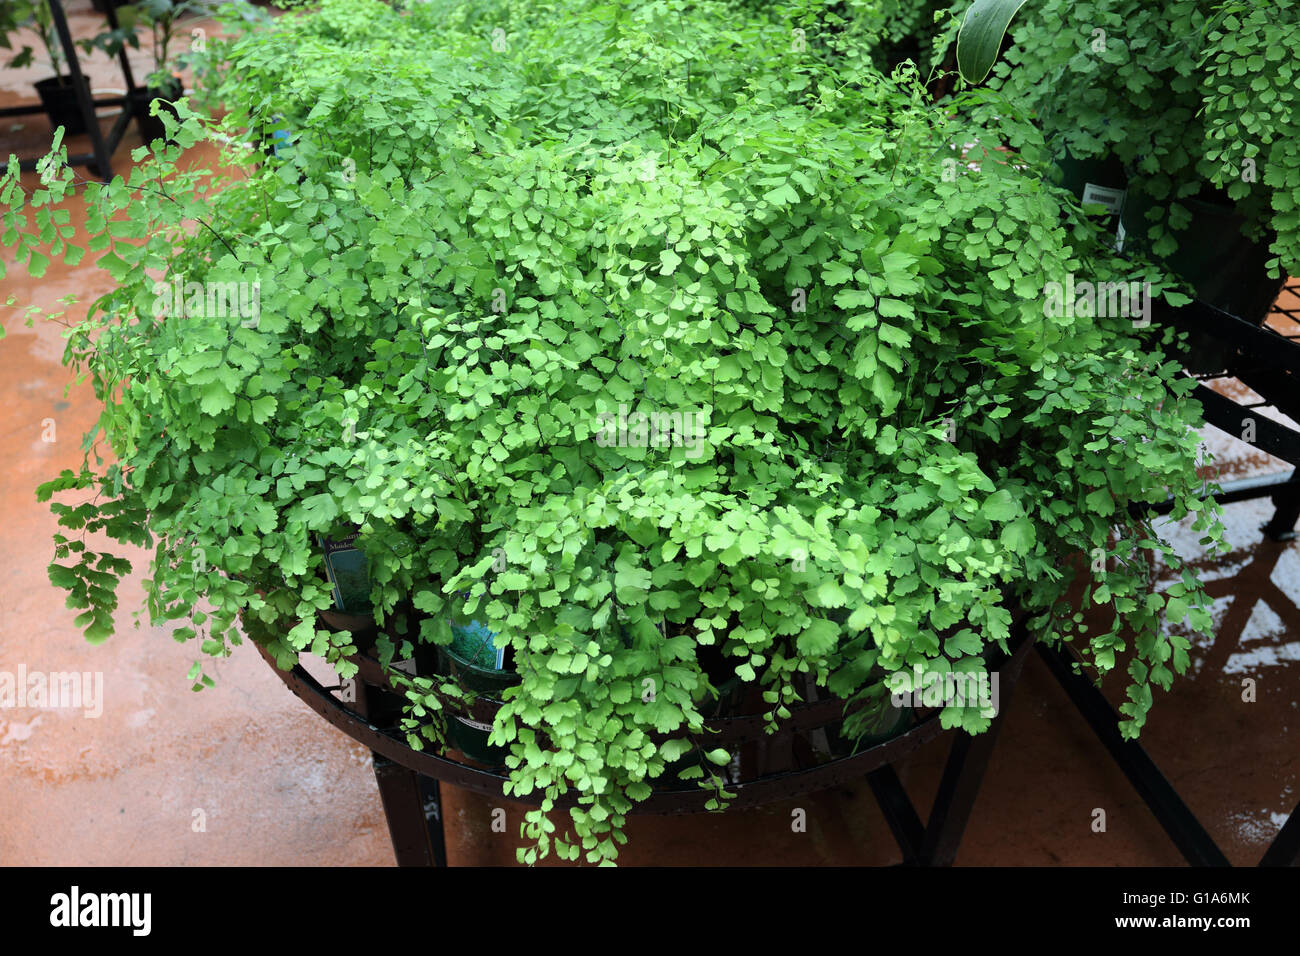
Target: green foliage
(36, 15)
(162, 22)
(504, 226)
(1251, 96)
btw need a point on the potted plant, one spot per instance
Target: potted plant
(668, 378)
(13, 15)
(58, 93)
(1205, 188)
(161, 19)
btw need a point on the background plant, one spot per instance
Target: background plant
(162, 19)
(506, 219)
(36, 15)
(1193, 96)
(14, 14)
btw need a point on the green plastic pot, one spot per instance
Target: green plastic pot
(466, 734)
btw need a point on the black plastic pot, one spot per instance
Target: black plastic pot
(151, 127)
(1214, 255)
(59, 97)
(363, 628)
(1101, 181)
(882, 722)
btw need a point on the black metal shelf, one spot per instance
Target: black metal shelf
(100, 158)
(1263, 358)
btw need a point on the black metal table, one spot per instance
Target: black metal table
(410, 781)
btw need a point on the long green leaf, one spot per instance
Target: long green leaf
(981, 35)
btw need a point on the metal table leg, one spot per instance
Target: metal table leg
(1285, 848)
(898, 810)
(1156, 792)
(413, 807)
(1287, 502)
(962, 775)
(412, 802)
(103, 165)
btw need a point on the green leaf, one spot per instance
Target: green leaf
(63, 577)
(1019, 536)
(980, 36)
(1100, 502)
(837, 273)
(818, 638)
(1000, 506)
(672, 750)
(263, 408)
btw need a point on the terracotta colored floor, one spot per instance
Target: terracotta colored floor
(277, 785)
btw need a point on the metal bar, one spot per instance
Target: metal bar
(1225, 414)
(1285, 848)
(22, 110)
(393, 792)
(118, 131)
(1244, 342)
(899, 813)
(1156, 792)
(1286, 499)
(110, 11)
(1279, 387)
(1260, 486)
(1243, 489)
(722, 730)
(431, 791)
(38, 108)
(955, 800)
(399, 789)
(81, 87)
(964, 772)
(844, 770)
